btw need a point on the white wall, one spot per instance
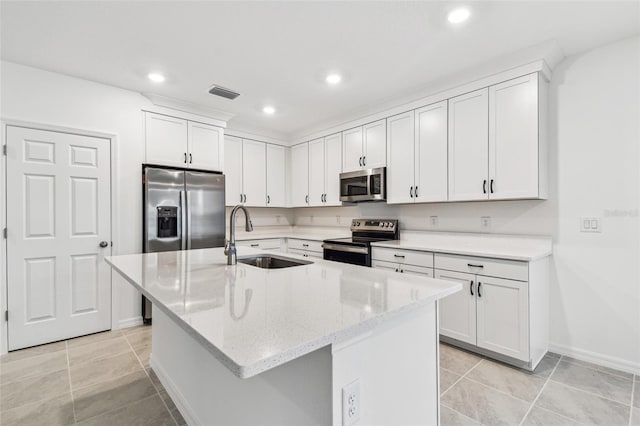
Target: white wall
(594, 171)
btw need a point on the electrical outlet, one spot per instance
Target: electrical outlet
(311, 219)
(590, 224)
(485, 222)
(277, 218)
(338, 220)
(434, 221)
(351, 409)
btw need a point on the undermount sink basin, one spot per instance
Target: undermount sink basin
(272, 262)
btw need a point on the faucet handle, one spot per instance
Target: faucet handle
(226, 246)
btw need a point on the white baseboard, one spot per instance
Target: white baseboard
(596, 358)
(130, 322)
(176, 396)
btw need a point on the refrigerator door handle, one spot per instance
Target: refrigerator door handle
(188, 220)
(183, 220)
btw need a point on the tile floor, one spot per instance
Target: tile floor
(105, 379)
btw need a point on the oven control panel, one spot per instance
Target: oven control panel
(388, 225)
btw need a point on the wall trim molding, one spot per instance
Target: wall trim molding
(130, 322)
(596, 358)
(182, 404)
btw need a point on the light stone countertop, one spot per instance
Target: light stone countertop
(254, 319)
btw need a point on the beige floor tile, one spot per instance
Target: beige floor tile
(135, 329)
(546, 366)
(456, 360)
(33, 351)
(92, 338)
(96, 371)
(98, 350)
(636, 393)
(34, 389)
(144, 355)
(635, 416)
(513, 381)
(603, 384)
(581, 406)
(484, 404)
(553, 355)
(155, 380)
(447, 378)
(167, 400)
(140, 338)
(449, 417)
(597, 367)
(541, 417)
(94, 400)
(147, 412)
(32, 366)
(56, 411)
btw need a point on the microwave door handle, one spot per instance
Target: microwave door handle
(183, 221)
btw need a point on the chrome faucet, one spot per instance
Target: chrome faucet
(230, 247)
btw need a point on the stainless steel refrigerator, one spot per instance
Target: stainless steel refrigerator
(183, 210)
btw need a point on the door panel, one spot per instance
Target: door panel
(60, 210)
(205, 210)
(166, 140)
(513, 138)
(254, 173)
(458, 311)
(400, 171)
(431, 153)
(299, 175)
(469, 146)
(503, 317)
(352, 150)
(332, 169)
(233, 170)
(375, 145)
(205, 147)
(276, 166)
(316, 172)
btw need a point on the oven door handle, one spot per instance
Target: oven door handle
(348, 249)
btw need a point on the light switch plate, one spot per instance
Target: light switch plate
(590, 224)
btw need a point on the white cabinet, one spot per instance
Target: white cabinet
(276, 166)
(245, 164)
(497, 142)
(305, 248)
(300, 175)
(365, 147)
(514, 160)
(324, 171)
(172, 141)
(417, 150)
(402, 268)
(458, 311)
(254, 173)
(275, 244)
(469, 146)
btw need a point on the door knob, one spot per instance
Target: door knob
(103, 244)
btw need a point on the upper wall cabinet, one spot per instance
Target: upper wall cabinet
(365, 147)
(276, 167)
(497, 142)
(177, 142)
(300, 175)
(417, 155)
(246, 172)
(324, 171)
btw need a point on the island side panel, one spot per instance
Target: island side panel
(207, 393)
(397, 368)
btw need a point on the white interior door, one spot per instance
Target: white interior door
(59, 212)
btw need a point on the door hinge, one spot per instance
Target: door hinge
(4, 233)
(4, 149)
(6, 315)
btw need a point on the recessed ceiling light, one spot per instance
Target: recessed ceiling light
(269, 110)
(459, 15)
(156, 77)
(334, 78)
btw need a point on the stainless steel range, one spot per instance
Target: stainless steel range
(357, 249)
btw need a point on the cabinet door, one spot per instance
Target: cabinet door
(316, 172)
(388, 266)
(513, 138)
(206, 149)
(375, 145)
(352, 150)
(300, 175)
(233, 170)
(469, 146)
(166, 140)
(400, 170)
(276, 166)
(503, 316)
(332, 169)
(431, 153)
(458, 311)
(254, 173)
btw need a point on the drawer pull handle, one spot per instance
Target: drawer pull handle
(471, 287)
(479, 285)
(471, 265)
(255, 245)
(305, 245)
(399, 255)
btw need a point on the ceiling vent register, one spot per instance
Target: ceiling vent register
(223, 92)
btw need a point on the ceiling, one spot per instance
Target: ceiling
(279, 53)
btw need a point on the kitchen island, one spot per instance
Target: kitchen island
(245, 345)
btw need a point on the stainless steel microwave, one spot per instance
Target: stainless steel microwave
(364, 185)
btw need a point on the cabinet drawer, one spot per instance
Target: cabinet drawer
(269, 244)
(305, 245)
(405, 257)
(305, 253)
(511, 269)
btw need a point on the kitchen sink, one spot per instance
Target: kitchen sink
(272, 262)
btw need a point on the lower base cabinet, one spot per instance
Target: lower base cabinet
(305, 248)
(264, 244)
(403, 269)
